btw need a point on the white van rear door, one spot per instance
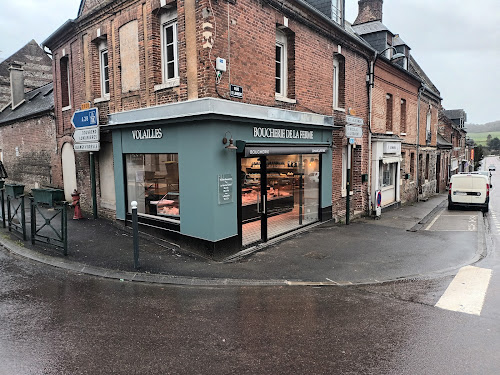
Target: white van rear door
(478, 191)
(461, 186)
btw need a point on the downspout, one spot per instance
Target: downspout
(371, 83)
(420, 90)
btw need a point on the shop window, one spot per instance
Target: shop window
(65, 83)
(387, 174)
(104, 69)
(388, 112)
(403, 116)
(344, 170)
(153, 181)
(169, 47)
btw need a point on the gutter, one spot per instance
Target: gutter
(64, 27)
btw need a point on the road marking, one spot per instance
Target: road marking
(433, 221)
(467, 291)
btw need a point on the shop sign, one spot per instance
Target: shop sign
(284, 150)
(392, 148)
(147, 134)
(225, 185)
(282, 133)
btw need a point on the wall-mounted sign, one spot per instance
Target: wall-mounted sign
(225, 185)
(282, 133)
(352, 131)
(353, 120)
(236, 91)
(284, 150)
(85, 118)
(86, 135)
(392, 148)
(147, 134)
(84, 147)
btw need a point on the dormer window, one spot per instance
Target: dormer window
(337, 11)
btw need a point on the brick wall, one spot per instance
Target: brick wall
(29, 152)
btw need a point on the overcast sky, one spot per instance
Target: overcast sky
(455, 42)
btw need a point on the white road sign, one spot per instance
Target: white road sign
(352, 131)
(80, 147)
(86, 135)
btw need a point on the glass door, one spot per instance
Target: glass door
(279, 193)
(252, 206)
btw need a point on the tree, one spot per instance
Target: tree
(488, 140)
(494, 144)
(478, 156)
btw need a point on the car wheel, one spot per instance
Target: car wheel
(486, 208)
(450, 206)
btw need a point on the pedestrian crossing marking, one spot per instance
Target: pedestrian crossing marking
(466, 291)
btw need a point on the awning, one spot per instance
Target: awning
(260, 150)
(394, 159)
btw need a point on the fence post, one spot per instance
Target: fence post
(2, 202)
(135, 230)
(23, 218)
(32, 220)
(64, 227)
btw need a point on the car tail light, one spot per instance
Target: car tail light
(487, 190)
(449, 190)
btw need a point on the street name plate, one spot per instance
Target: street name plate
(352, 131)
(82, 147)
(86, 135)
(353, 120)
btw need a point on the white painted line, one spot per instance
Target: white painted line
(433, 221)
(467, 291)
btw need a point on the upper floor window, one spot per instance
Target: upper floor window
(169, 48)
(281, 64)
(104, 69)
(65, 82)
(428, 133)
(337, 11)
(336, 69)
(388, 112)
(403, 116)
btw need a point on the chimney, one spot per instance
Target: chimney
(16, 84)
(369, 10)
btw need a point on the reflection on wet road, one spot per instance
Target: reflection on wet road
(55, 322)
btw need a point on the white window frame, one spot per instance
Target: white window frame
(337, 11)
(68, 107)
(428, 123)
(336, 68)
(344, 171)
(169, 19)
(281, 41)
(103, 50)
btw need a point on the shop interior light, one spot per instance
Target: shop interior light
(231, 145)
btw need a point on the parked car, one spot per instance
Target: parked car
(491, 167)
(469, 190)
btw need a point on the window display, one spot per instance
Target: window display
(153, 181)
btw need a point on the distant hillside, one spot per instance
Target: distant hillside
(489, 127)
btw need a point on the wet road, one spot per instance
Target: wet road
(55, 322)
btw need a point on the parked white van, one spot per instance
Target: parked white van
(469, 190)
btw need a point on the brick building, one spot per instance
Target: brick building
(452, 128)
(174, 79)
(27, 136)
(404, 115)
(37, 70)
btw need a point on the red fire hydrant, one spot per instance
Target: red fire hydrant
(76, 203)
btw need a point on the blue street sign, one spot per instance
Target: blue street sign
(85, 118)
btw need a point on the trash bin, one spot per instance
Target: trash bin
(48, 196)
(14, 190)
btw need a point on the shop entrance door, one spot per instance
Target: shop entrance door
(279, 193)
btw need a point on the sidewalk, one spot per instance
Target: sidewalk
(366, 251)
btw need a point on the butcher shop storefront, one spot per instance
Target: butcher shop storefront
(218, 176)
